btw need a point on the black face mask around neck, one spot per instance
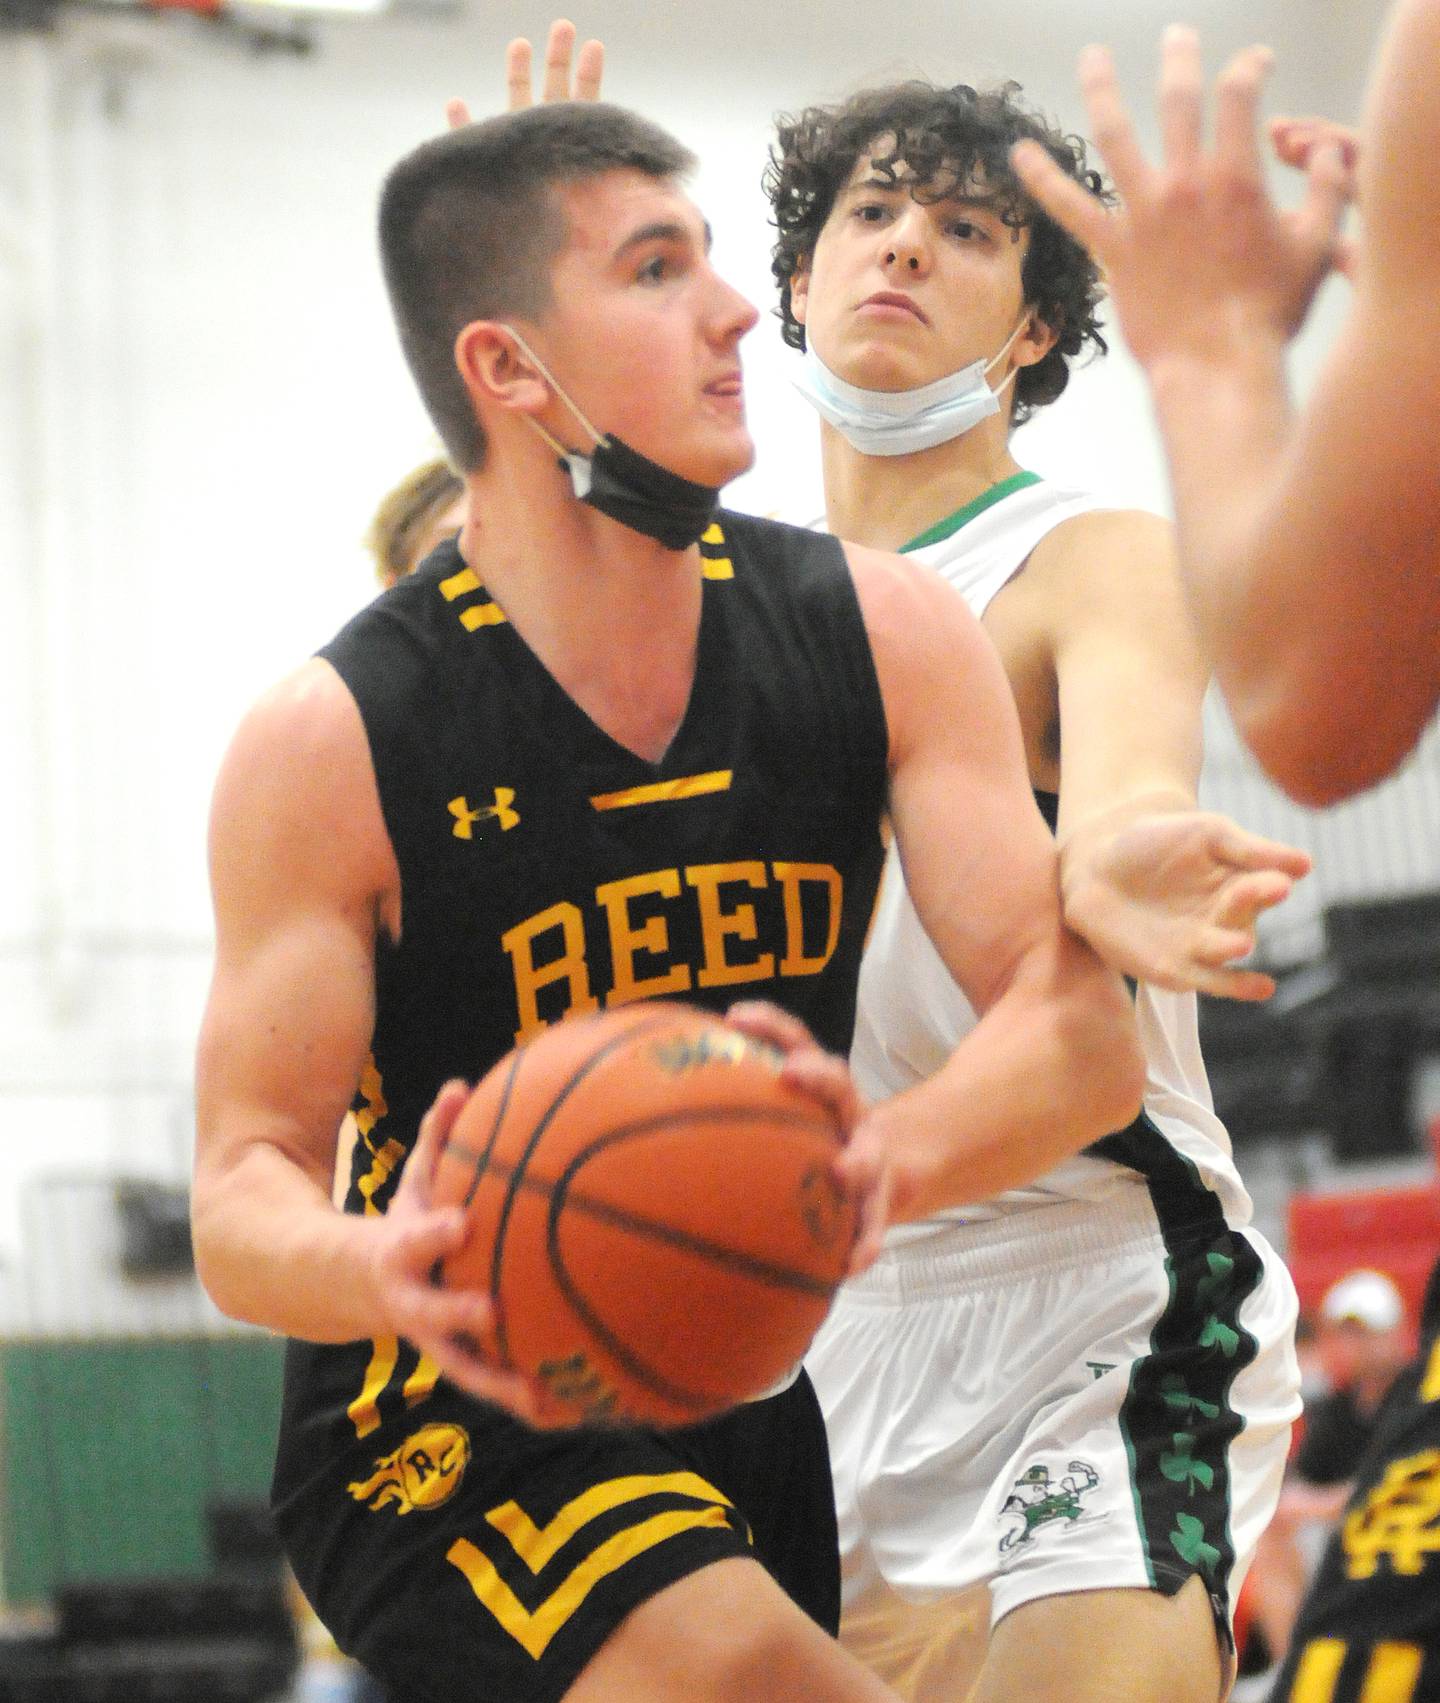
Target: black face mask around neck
(620, 482)
(629, 487)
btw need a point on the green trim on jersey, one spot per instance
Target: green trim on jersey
(952, 523)
(1177, 1419)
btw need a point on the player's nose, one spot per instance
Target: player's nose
(734, 315)
(907, 243)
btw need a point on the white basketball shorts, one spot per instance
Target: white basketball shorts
(1089, 1395)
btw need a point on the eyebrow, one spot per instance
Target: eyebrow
(662, 230)
(902, 186)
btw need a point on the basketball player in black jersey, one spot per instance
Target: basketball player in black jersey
(612, 743)
(1369, 1629)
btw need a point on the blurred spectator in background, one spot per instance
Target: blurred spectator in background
(1361, 1344)
(424, 508)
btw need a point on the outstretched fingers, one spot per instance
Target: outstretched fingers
(1329, 190)
(1295, 140)
(1238, 847)
(1237, 106)
(1213, 966)
(1110, 124)
(1181, 100)
(1249, 987)
(519, 59)
(559, 51)
(1068, 203)
(589, 71)
(560, 57)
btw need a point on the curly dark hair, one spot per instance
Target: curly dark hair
(948, 140)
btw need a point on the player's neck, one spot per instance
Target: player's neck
(886, 500)
(612, 615)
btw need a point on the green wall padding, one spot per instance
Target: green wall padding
(109, 1451)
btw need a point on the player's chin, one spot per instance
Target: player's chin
(721, 454)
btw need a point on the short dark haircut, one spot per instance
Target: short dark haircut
(956, 139)
(470, 225)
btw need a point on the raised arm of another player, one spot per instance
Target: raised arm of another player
(303, 876)
(1165, 892)
(1054, 1062)
(1310, 544)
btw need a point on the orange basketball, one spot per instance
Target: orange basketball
(652, 1211)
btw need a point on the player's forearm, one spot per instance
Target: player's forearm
(1226, 423)
(271, 1249)
(1041, 1076)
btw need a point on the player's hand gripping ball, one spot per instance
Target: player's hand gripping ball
(652, 1211)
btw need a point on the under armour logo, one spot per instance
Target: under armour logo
(500, 811)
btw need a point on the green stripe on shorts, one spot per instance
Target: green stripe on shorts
(1176, 1419)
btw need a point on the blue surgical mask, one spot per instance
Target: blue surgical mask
(900, 422)
(620, 482)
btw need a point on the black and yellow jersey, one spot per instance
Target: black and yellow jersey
(1369, 1628)
(546, 869)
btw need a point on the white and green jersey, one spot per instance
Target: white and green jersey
(911, 1015)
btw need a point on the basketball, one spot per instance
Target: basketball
(652, 1211)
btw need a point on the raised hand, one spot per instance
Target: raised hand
(559, 85)
(1196, 255)
(1171, 897)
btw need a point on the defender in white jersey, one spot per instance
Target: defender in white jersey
(1058, 1417)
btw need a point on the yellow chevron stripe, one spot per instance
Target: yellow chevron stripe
(1318, 1670)
(1393, 1673)
(712, 534)
(536, 1547)
(483, 614)
(716, 567)
(458, 584)
(533, 1632)
(661, 792)
(364, 1411)
(1430, 1387)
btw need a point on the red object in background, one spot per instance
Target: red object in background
(206, 8)
(1394, 1230)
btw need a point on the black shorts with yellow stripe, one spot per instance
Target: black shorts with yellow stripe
(458, 1554)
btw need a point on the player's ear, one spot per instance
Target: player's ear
(496, 370)
(800, 289)
(1037, 338)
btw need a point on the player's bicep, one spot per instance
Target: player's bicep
(290, 1009)
(283, 1042)
(978, 858)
